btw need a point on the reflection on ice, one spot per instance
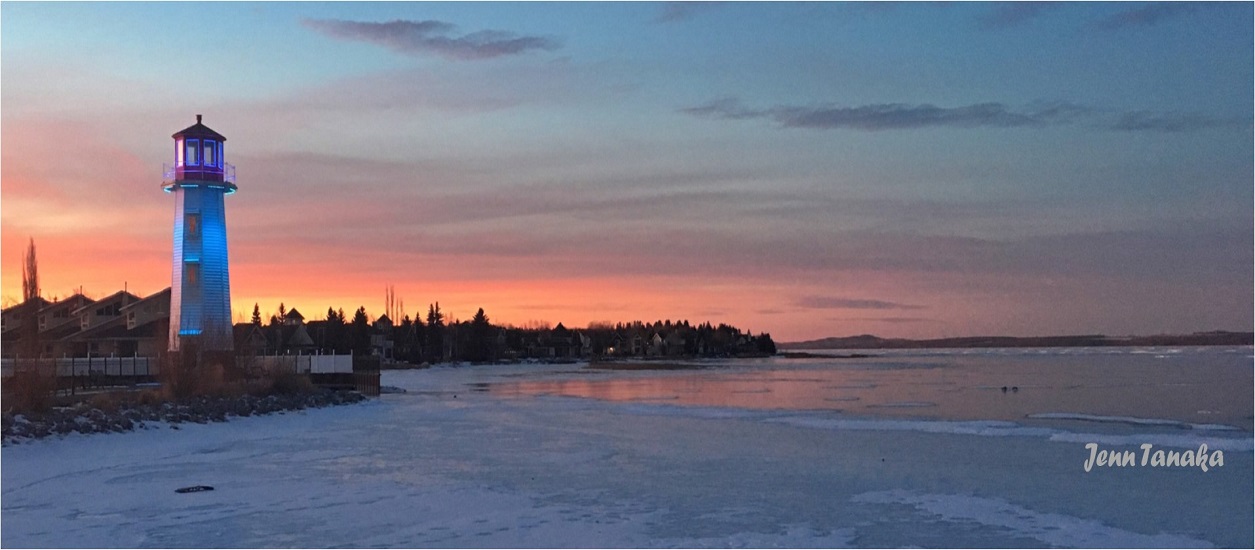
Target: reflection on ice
(1195, 388)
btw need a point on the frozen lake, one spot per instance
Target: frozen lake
(907, 449)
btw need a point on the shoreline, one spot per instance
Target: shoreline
(84, 417)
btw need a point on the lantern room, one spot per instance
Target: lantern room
(199, 160)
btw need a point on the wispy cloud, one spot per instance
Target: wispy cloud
(1012, 14)
(1148, 15)
(432, 38)
(1171, 122)
(889, 320)
(677, 11)
(902, 116)
(895, 116)
(826, 302)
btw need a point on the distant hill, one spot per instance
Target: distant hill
(867, 341)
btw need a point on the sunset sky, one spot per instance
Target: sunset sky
(915, 170)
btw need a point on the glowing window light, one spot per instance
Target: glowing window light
(191, 273)
(193, 152)
(192, 224)
(211, 158)
(178, 152)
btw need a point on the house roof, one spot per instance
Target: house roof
(68, 302)
(61, 332)
(248, 333)
(198, 130)
(96, 330)
(294, 315)
(157, 296)
(39, 302)
(300, 338)
(123, 295)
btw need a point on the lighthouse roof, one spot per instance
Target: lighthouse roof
(198, 130)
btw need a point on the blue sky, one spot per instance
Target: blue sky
(805, 169)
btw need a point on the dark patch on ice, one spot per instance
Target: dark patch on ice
(194, 489)
(903, 405)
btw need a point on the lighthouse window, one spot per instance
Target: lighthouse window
(178, 152)
(210, 151)
(193, 152)
(191, 225)
(219, 154)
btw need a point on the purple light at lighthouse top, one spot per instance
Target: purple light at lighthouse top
(199, 159)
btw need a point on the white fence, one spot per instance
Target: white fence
(301, 364)
(85, 366)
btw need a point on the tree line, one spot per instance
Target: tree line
(435, 338)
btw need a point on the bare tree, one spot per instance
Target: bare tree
(392, 306)
(30, 293)
(30, 274)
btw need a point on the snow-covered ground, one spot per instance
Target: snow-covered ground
(456, 463)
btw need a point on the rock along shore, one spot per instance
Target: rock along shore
(85, 418)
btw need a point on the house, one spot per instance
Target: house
(12, 321)
(250, 339)
(59, 322)
(138, 328)
(13, 316)
(293, 318)
(120, 325)
(60, 312)
(381, 343)
(656, 346)
(674, 343)
(289, 337)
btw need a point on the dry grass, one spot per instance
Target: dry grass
(287, 383)
(29, 391)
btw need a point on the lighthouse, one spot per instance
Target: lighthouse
(200, 287)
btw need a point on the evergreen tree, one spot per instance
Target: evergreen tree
(416, 353)
(334, 333)
(435, 333)
(481, 341)
(256, 315)
(360, 330)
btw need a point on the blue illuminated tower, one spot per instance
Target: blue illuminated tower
(200, 289)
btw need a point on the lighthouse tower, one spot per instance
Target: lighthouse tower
(200, 288)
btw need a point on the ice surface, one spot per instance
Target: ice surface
(1132, 420)
(455, 463)
(1050, 529)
